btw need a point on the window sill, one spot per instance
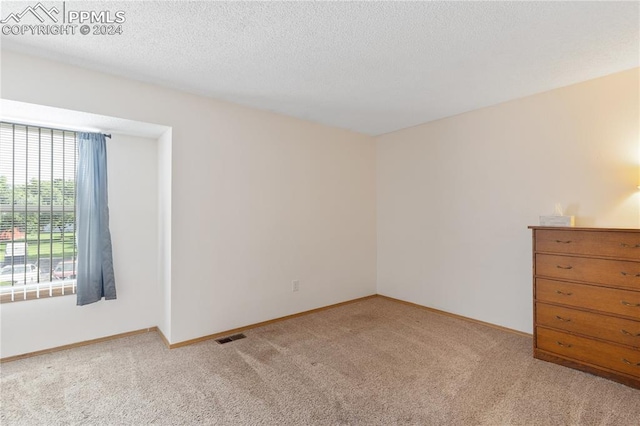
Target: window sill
(37, 291)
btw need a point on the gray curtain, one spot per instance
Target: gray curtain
(95, 277)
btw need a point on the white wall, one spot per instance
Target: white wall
(46, 323)
(164, 229)
(455, 196)
(257, 199)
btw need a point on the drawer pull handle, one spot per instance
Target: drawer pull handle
(563, 242)
(564, 267)
(569, 294)
(564, 345)
(628, 245)
(634, 305)
(625, 332)
(626, 361)
(630, 275)
(558, 317)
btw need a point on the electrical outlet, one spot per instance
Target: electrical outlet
(295, 285)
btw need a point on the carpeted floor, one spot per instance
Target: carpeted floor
(374, 362)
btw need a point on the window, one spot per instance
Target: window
(37, 212)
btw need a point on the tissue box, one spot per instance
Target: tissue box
(557, 221)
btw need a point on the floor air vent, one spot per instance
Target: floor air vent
(228, 339)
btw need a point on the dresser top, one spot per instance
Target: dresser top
(563, 228)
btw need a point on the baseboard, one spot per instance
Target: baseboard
(460, 317)
(179, 344)
(249, 327)
(275, 320)
(78, 344)
(263, 323)
(164, 338)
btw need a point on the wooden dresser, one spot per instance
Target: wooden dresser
(586, 291)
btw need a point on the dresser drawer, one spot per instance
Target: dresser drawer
(623, 245)
(600, 271)
(606, 300)
(608, 355)
(604, 327)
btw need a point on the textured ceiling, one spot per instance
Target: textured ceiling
(373, 67)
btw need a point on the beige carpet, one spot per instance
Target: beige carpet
(374, 362)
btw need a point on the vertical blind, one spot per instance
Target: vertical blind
(37, 204)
